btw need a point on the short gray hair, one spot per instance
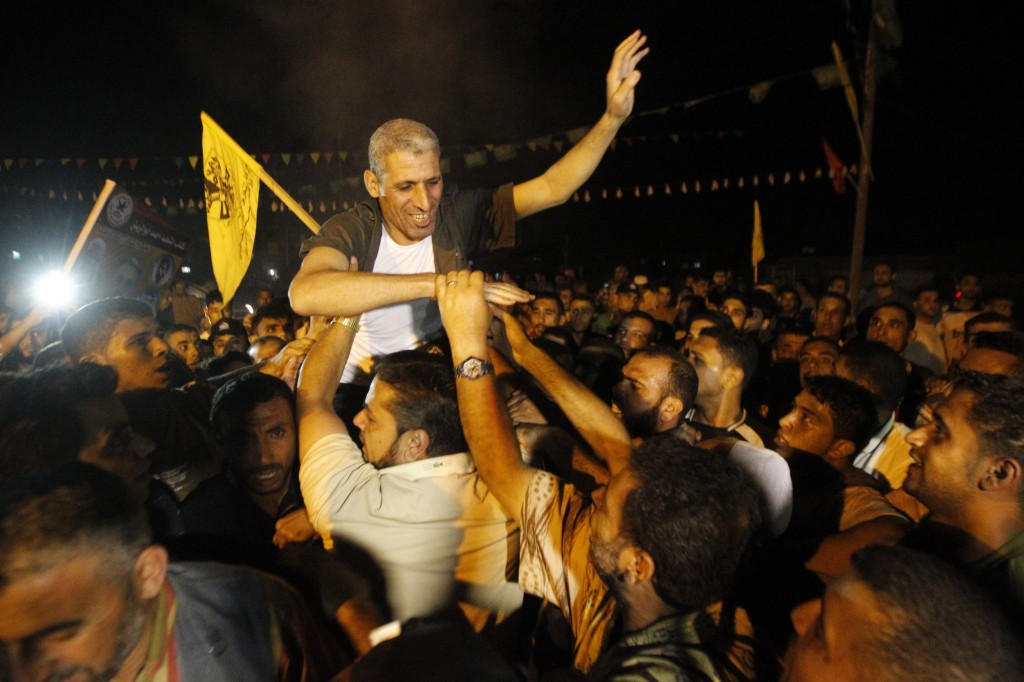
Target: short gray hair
(400, 135)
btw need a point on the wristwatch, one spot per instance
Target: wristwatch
(474, 368)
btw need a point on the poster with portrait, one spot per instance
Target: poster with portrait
(129, 250)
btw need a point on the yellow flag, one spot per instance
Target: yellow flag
(232, 180)
(757, 243)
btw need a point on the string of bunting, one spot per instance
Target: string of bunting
(14, 170)
(586, 195)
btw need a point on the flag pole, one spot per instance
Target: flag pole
(94, 215)
(286, 198)
(308, 220)
(865, 177)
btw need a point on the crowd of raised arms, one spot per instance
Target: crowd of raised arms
(405, 469)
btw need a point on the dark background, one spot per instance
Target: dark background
(127, 80)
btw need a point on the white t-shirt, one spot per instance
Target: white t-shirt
(396, 327)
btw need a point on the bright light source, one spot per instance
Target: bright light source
(185, 269)
(15, 255)
(54, 289)
(272, 272)
(249, 308)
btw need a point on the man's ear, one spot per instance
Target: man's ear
(372, 183)
(1002, 474)
(670, 410)
(732, 377)
(413, 445)
(149, 572)
(636, 564)
(840, 449)
(912, 335)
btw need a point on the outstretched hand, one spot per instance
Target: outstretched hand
(623, 75)
(504, 294)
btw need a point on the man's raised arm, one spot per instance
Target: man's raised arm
(318, 382)
(591, 417)
(558, 183)
(485, 421)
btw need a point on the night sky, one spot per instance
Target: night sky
(129, 79)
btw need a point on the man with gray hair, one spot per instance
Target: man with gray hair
(412, 228)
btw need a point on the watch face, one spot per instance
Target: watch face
(474, 368)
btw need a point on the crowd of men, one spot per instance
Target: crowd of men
(408, 470)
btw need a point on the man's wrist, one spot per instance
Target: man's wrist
(474, 367)
(462, 351)
(610, 120)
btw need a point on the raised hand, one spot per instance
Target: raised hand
(464, 310)
(623, 75)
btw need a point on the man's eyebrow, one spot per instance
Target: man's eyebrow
(811, 414)
(52, 629)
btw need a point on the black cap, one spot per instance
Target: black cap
(228, 326)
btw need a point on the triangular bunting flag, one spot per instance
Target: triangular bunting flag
(576, 134)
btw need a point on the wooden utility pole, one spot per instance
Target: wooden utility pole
(865, 174)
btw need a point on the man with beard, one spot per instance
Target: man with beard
(258, 488)
(658, 386)
(969, 471)
(657, 547)
(84, 594)
(411, 498)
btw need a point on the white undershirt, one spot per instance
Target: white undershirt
(396, 327)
